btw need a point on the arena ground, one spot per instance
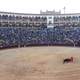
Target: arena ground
(39, 63)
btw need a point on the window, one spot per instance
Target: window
(50, 17)
(50, 22)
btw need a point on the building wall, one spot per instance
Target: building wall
(39, 20)
(50, 21)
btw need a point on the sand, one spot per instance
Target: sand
(39, 63)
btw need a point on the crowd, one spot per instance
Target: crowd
(22, 36)
(67, 21)
(67, 18)
(22, 21)
(17, 17)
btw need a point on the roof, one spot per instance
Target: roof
(39, 14)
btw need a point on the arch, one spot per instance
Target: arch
(70, 40)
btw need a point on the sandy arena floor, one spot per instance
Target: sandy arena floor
(39, 63)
